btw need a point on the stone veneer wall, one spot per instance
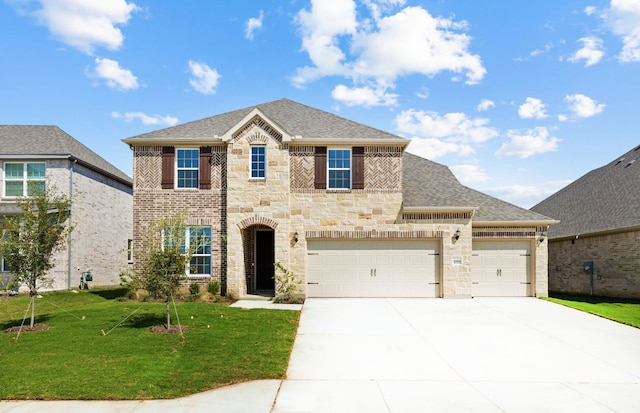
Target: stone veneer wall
(616, 261)
(199, 207)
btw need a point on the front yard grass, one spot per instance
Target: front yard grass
(626, 311)
(73, 360)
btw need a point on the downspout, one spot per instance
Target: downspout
(71, 163)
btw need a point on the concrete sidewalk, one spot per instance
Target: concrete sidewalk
(416, 355)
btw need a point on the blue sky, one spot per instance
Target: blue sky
(517, 98)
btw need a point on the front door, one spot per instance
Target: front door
(264, 260)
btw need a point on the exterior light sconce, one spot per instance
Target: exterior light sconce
(542, 238)
(295, 236)
(457, 234)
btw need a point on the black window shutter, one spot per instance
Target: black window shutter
(205, 167)
(357, 159)
(320, 157)
(168, 156)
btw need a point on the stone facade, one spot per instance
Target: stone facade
(615, 257)
(102, 225)
(286, 206)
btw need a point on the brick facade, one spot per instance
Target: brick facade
(615, 257)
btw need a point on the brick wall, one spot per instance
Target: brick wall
(616, 260)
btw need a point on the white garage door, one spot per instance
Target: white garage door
(501, 269)
(373, 268)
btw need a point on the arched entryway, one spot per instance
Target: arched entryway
(259, 257)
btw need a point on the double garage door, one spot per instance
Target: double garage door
(373, 268)
(501, 269)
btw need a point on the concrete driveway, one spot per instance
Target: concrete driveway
(480, 355)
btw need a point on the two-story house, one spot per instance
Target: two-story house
(102, 201)
(338, 203)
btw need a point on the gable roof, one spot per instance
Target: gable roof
(298, 120)
(605, 199)
(429, 184)
(22, 141)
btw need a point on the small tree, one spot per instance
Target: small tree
(31, 238)
(164, 260)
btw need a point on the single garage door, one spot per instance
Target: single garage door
(501, 269)
(373, 268)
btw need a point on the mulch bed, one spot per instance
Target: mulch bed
(171, 330)
(27, 329)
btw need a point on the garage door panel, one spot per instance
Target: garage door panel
(501, 268)
(376, 268)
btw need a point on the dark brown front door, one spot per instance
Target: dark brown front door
(264, 260)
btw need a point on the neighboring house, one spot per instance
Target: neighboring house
(102, 202)
(596, 247)
(338, 203)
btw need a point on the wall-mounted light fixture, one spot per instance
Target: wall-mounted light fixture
(295, 236)
(543, 235)
(457, 234)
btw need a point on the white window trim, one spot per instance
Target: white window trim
(176, 174)
(25, 180)
(350, 169)
(187, 243)
(258, 178)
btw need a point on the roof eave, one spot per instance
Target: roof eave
(420, 209)
(597, 233)
(505, 223)
(300, 140)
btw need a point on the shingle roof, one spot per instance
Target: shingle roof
(429, 184)
(293, 117)
(605, 199)
(25, 140)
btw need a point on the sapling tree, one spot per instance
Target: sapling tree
(165, 258)
(32, 237)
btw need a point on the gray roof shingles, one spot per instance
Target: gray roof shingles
(293, 117)
(46, 140)
(605, 199)
(429, 184)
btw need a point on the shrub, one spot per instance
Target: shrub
(194, 289)
(213, 287)
(286, 285)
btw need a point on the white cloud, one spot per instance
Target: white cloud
(531, 142)
(591, 51)
(83, 25)
(205, 79)
(431, 148)
(364, 96)
(253, 24)
(145, 119)
(589, 10)
(380, 49)
(470, 173)
(452, 127)
(583, 106)
(485, 105)
(527, 196)
(623, 19)
(563, 118)
(532, 108)
(114, 76)
(547, 47)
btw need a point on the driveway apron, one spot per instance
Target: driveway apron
(481, 355)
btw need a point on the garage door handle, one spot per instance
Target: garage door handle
(526, 283)
(433, 283)
(475, 282)
(313, 283)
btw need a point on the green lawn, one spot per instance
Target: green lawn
(626, 311)
(72, 360)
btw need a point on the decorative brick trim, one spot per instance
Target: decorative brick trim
(436, 216)
(344, 191)
(372, 234)
(257, 121)
(257, 137)
(385, 150)
(506, 232)
(256, 220)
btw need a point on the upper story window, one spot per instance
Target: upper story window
(188, 167)
(24, 178)
(258, 161)
(339, 168)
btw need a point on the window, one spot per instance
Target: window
(339, 168)
(258, 165)
(23, 179)
(197, 240)
(130, 250)
(188, 165)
